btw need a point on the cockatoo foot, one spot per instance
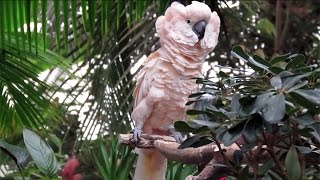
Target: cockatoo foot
(176, 135)
(136, 134)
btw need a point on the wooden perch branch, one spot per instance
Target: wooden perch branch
(208, 153)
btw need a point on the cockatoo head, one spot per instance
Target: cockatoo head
(192, 27)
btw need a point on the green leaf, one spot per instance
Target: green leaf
(57, 23)
(235, 104)
(289, 82)
(292, 164)
(312, 95)
(41, 153)
(28, 19)
(228, 137)
(274, 110)
(55, 140)
(92, 16)
(195, 141)
(2, 21)
(182, 126)
(44, 23)
(261, 60)
(305, 119)
(253, 128)
(297, 61)
(74, 21)
(84, 14)
(276, 82)
(35, 20)
(238, 52)
(279, 58)
(208, 124)
(266, 27)
(265, 167)
(20, 155)
(304, 102)
(65, 6)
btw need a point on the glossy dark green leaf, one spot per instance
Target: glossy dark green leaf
(279, 58)
(292, 81)
(20, 155)
(275, 70)
(261, 60)
(303, 149)
(196, 94)
(238, 52)
(182, 126)
(312, 95)
(229, 136)
(223, 74)
(195, 141)
(316, 130)
(292, 164)
(265, 167)
(253, 128)
(297, 61)
(41, 153)
(274, 109)
(305, 119)
(208, 124)
(298, 86)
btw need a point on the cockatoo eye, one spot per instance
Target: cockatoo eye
(188, 21)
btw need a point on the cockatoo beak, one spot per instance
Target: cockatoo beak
(199, 28)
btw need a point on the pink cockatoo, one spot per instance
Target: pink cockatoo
(187, 35)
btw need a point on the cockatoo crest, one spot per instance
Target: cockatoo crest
(191, 28)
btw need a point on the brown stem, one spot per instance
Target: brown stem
(226, 160)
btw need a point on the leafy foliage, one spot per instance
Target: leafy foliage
(114, 162)
(274, 108)
(36, 149)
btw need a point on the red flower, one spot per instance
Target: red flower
(68, 171)
(222, 178)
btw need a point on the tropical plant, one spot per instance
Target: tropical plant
(271, 114)
(100, 42)
(114, 162)
(38, 151)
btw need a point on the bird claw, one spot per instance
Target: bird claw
(176, 135)
(136, 134)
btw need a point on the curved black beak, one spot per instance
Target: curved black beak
(199, 28)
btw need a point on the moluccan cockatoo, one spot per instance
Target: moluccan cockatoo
(187, 35)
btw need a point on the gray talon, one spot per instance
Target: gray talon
(177, 136)
(136, 134)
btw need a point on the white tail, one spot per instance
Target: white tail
(151, 165)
